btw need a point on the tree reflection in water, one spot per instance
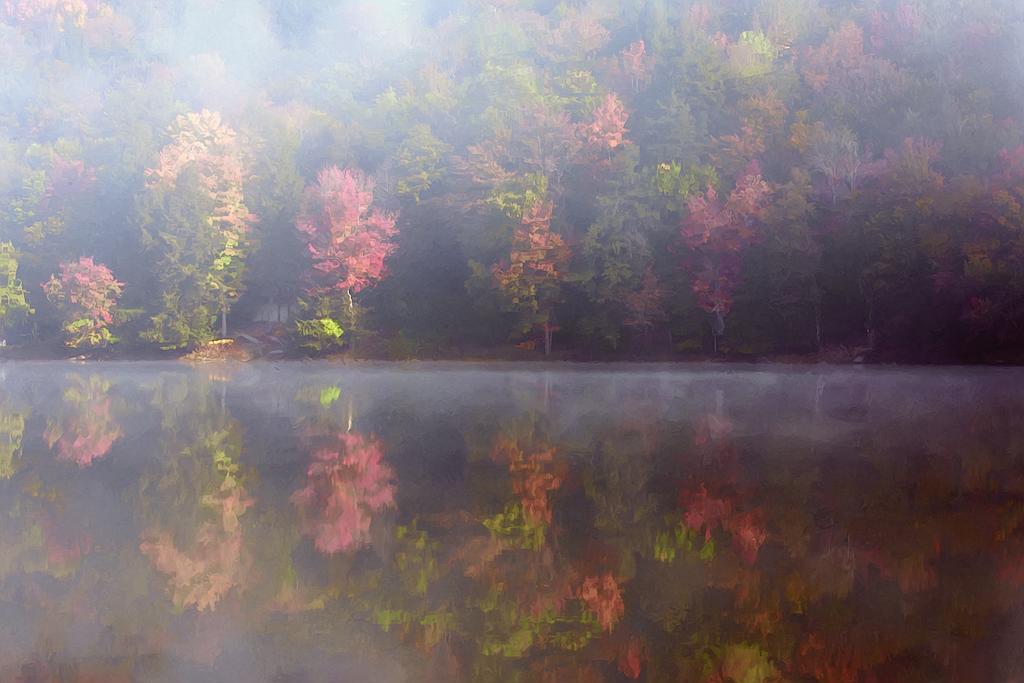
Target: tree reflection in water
(12, 430)
(345, 484)
(705, 526)
(199, 545)
(87, 430)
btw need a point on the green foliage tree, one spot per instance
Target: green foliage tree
(12, 294)
(196, 224)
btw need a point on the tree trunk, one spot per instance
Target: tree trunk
(351, 322)
(548, 332)
(223, 318)
(817, 324)
(717, 326)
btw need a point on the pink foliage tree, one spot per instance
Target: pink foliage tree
(67, 178)
(346, 238)
(636, 63)
(348, 242)
(607, 128)
(578, 35)
(86, 293)
(717, 232)
(346, 483)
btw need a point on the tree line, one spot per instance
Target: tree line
(598, 177)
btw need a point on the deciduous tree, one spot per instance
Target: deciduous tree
(718, 232)
(348, 241)
(535, 267)
(86, 294)
(196, 222)
(12, 294)
(607, 128)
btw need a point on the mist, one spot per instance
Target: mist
(440, 522)
(516, 179)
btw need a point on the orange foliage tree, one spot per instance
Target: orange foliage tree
(531, 277)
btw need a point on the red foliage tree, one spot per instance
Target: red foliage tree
(535, 476)
(851, 78)
(717, 233)
(87, 294)
(631, 658)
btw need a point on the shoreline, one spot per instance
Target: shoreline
(809, 361)
(240, 351)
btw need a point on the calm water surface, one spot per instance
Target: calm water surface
(312, 522)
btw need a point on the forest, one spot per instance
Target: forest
(584, 179)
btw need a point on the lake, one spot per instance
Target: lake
(422, 522)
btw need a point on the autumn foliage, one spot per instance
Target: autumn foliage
(348, 240)
(229, 198)
(201, 258)
(88, 430)
(718, 231)
(203, 142)
(87, 293)
(531, 275)
(603, 597)
(607, 129)
(201, 574)
(347, 483)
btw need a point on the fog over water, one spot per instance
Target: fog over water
(438, 522)
(836, 183)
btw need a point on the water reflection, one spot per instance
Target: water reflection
(346, 483)
(86, 430)
(12, 429)
(306, 522)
